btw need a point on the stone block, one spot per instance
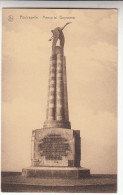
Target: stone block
(56, 147)
(56, 172)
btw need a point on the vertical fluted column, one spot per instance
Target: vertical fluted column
(47, 111)
(59, 87)
(65, 90)
(57, 105)
(52, 90)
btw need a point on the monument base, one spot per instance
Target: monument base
(56, 172)
(56, 147)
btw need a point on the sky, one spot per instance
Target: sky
(91, 62)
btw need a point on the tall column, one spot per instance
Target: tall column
(47, 111)
(52, 90)
(59, 87)
(65, 90)
(57, 105)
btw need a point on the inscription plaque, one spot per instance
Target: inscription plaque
(54, 147)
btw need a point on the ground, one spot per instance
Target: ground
(15, 182)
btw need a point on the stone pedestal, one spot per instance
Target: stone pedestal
(56, 172)
(55, 147)
(56, 153)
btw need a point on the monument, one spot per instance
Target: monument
(56, 148)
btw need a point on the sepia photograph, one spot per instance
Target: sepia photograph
(59, 100)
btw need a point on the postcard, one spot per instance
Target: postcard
(59, 100)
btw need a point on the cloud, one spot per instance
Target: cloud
(96, 25)
(92, 72)
(25, 64)
(98, 138)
